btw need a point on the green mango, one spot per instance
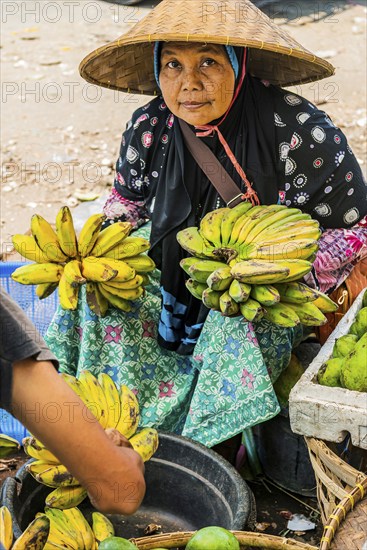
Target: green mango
(364, 299)
(354, 372)
(344, 345)
(329, 373)
(359, 326)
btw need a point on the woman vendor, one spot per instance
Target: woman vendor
(196, 372)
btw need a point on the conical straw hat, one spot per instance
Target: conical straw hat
(126, 64)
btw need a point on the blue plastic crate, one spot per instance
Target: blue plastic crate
(40, 312)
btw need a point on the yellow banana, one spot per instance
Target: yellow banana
(239, 292)
(220, 279)
(295, 292)
(89, 234)
(145, 443)
(6, 528)
(46, 239)
(191, 240)
(251, 310)
(295, 250)
(259, 220)
(229, 219)
(102, 527)
(27, 247)
(324, 303)
(34, 448)
(309, 314)
(34, 536)
(124, 271)
(73, 274)
(112, 397)
(126, 293)
(129, 412)
(93, 269)
(297, 234)
(266, 295)
(68, 294)
(210, 226)
(133, 283)
(115, 301)
(201, 269)
(130, 246)
(282, 315)
(80, 524)
(8, 445)
(34, 274)
(283, 227)
(56, 476)
(240, 224)
(297, 268)
(65, 231)
(195, 288)
(258, 272)
(210, 299)
(44, 290)
(38, 466)
(111, 236)
(95, 299)
(227, 305)
(141, 263)
(96, 399)
(66, 497)
(62, 531)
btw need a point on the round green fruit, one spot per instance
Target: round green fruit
(213, 538)
(116, 543)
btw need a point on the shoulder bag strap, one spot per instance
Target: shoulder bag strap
(211, 167)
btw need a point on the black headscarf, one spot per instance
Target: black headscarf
(184, 195)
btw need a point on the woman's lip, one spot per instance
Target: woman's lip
(192, 105)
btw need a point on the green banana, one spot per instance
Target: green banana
(295, 292)
(309, 314)
(227, 305)
(239, 292)
(195, 288)
(210, 226)
(282, 315)
(201, 269)
(266, 295)
(210, 298)
(192, 241)
(259, 272)
(220, 279)
(229, 219)
(251, 310)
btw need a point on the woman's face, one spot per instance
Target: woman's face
(197, 81)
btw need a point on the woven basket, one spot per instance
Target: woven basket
(246, 540)
(335, 478)
(346, 528)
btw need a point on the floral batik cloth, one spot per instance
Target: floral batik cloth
(223, 388)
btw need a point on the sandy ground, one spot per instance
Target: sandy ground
(60, 136)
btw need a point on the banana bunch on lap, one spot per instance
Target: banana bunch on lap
(112, 407)
(55, 528)
(111, 263)
(249, 261)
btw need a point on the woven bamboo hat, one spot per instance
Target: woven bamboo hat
(126, 64)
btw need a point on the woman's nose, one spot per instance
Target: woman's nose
(191, 80)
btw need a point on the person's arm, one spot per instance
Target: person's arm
(53, 413)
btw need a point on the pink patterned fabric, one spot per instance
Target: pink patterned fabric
(339, 251)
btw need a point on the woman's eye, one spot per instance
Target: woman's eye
(173, 64)
(208, 62)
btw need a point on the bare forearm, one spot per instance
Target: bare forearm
(53, 413)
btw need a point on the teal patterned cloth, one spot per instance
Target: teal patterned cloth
(223, 388)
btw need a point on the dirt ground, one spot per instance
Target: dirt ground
(60, 136)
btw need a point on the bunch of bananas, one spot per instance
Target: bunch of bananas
(248, 261)
(111, 263)
(33, 538)
(8, 445)
(113, 408)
